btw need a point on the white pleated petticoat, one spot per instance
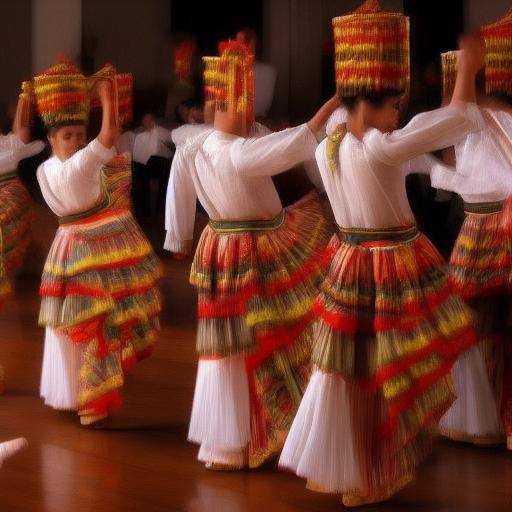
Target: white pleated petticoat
(323, 443)
(220, 420)
(474, 414)
(60, 374)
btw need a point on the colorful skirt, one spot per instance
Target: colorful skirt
(481, 271)
(388, 330)
(16, 216)
(99, 289)
(481, 260)
(256, 283)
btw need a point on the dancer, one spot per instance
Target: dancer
(16, 208)
(481, 261)
(388, 328)
(100, 301)
(256, 269)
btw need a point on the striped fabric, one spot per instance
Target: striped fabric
(211, 79)
(16, 217)
(122, 90)
(99, 287)
(256, 290)
(388, 321)
(481, 260)
(498, 59)
(449, 72)
(371, 50)
(236, 80)
(62, 95)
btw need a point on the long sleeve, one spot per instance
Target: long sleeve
(426, 132)
(444, 179)
(426, 164)
(313, 173)
(87, 162)
(180, 206)
(273, 153)
(188, 131)
(13, 150)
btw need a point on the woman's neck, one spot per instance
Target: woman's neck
(356, 124)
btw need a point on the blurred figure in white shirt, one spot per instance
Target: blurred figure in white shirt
(151, 159)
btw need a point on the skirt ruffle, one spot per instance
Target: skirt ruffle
(99, 287)
(481, 260)
(16, 216)
(389, 327)
(256, 290)
(481, 271)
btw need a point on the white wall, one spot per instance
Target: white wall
(56, 27)
(481, 12)
(132, 34)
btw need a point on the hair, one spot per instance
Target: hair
(376, 99)
(52, 130)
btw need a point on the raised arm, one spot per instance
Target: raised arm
(280, 151)
(439, 128)
(23, 117)
(16, 146)
(109, 128)
(469, 61)
(319, 120)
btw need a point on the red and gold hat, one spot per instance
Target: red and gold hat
(211, 78)
(236, 80)
(122, 92)
(449, 72)
(124, 86)
(371, 50)
(498, 59)
(183, 55)
(61, 94)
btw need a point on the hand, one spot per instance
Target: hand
(472, 54)
(103, 89)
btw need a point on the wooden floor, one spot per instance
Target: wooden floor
(141, 461)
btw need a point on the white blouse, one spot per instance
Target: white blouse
(185, 132)
(188, 132)
(74, 185)
(154, 142)
(231, 176)
(368, 189)
(13, 150)
(484, 167)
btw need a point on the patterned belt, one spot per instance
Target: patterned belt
(357, 236)
(243, 226)
(483, 208)
(8, 176)
(69, 219)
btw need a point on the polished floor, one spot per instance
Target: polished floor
(140, 460)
